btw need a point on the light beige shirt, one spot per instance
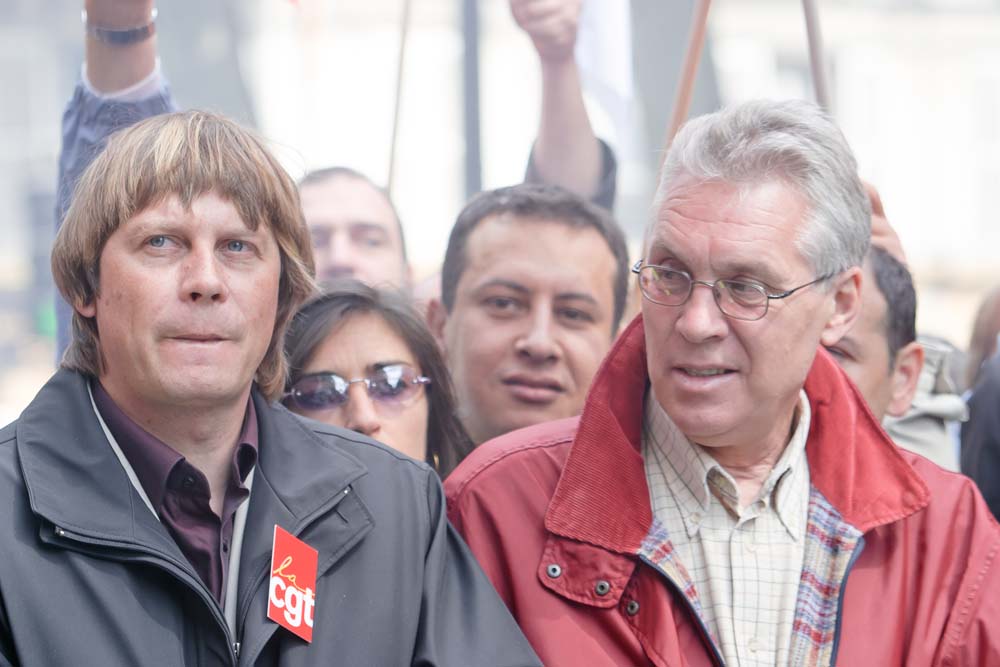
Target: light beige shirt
(745, 563)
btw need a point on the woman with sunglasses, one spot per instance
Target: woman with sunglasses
(362, 358)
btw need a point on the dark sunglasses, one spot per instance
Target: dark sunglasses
(390, 386)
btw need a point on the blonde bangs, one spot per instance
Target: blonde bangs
(185, 154)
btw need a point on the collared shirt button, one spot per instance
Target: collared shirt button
(554, 571)
(695, 517)
(632, 608)
(188, 481)
(602, 587)
(753, 645)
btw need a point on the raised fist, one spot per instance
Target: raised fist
(551, 24)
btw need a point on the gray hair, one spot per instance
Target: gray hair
(792, 141)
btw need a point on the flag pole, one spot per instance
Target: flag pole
(470, 97)
(696, 41)
(404, 31)
(682, 105)
(815, 37)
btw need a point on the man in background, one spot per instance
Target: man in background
(903, 377)
(532, 290)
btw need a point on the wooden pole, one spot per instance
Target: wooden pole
(696, 41)
(682, 105)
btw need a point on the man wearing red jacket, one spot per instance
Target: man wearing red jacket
(726, 496)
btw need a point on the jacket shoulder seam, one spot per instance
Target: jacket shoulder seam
(482, 467)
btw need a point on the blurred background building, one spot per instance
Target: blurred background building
(915, 85)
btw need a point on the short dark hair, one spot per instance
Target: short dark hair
(447, 441)
(544, 204)
(318, 176)
(896, 285)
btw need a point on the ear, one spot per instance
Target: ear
(86, 308)
(846, 306)
(905, 377)
(437, 318)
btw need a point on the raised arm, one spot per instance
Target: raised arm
(114, 67)
(121, 86)
(566, 151)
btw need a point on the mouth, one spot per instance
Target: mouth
(335, 273)
(533, 390)
(704, 372)
(702, 377)
(197, 338)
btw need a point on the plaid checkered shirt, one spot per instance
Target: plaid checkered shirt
(740, 566)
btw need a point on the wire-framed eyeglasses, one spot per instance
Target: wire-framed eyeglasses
(738, 299)
(390, 387)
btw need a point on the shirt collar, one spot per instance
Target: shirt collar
(696, 469)
(788, 483)
(154, 460)
(690, 463)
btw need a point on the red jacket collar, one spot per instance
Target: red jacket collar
(602, 497)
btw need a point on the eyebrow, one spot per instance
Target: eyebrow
(576, 296)
(361, 225)
(379, 365)
(165, 226)
(521, 289)
(761, 272)
(501, 282)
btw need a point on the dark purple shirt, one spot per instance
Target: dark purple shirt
(179, 492)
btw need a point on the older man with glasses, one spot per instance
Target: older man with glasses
(726, 497)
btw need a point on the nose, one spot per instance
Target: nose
(203, 280)
(360, 411)
(538, 342)
(339, 257)
(700, 318)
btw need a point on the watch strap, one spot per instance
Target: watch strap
(120, 36)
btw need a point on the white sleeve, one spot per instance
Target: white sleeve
(152, 85)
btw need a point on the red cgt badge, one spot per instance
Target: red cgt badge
(291, 593)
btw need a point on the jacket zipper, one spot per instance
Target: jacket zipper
(157, 559)
(244, 607)
(840, 601)
(705, 635)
